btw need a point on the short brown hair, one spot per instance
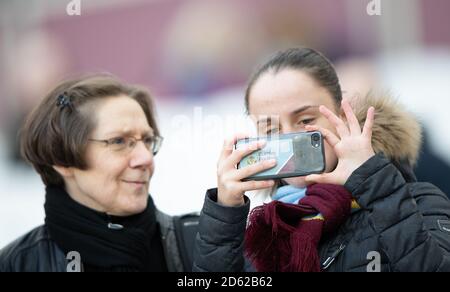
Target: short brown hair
(58, 135)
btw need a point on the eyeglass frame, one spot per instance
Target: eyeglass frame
(157, 142)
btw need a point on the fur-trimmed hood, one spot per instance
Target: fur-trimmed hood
(396, 132)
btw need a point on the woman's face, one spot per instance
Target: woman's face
(116, 182)
(287, 101)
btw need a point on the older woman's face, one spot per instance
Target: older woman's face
(286, 102)
(115, 182)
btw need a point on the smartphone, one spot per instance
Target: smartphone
(297, 154)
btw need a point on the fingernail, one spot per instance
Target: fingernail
(271, 162)
(253, 146)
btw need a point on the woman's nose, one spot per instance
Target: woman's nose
(141, 156)
(287, 129)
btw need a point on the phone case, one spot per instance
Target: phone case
(297, 154)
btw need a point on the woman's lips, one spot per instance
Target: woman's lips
(136, 182)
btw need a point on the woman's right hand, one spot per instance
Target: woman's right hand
(231, 188)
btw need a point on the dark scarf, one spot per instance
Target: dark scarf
(284, 237)
(135, 247)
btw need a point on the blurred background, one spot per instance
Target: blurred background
(195, 57)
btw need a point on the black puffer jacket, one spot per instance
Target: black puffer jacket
(403, 225)
(406, 223)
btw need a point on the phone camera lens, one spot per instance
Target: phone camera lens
(315, 140)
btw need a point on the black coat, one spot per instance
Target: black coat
(37, 252)
(405, 222)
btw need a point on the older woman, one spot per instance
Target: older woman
(93, 141)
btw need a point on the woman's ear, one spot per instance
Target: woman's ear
(63, 171)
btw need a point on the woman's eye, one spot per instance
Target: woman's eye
(306, 121)
(148, 140)
(117, 141)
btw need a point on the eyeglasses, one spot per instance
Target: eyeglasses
(122, 144)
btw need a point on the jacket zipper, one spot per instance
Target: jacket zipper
(327, 263)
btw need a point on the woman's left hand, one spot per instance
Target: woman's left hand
(352, 147)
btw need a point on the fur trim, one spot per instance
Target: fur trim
(396, 132)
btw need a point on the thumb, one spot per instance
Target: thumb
(324, 178)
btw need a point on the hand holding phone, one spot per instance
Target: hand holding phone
(297, 154)
(352, 145)
(230, 184)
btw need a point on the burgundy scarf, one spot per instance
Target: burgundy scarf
(285, 237)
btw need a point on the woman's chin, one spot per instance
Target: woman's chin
(140, 205)
(298, 182)
(131, 206)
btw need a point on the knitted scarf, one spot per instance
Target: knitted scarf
(284, 237)
(134, 246)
